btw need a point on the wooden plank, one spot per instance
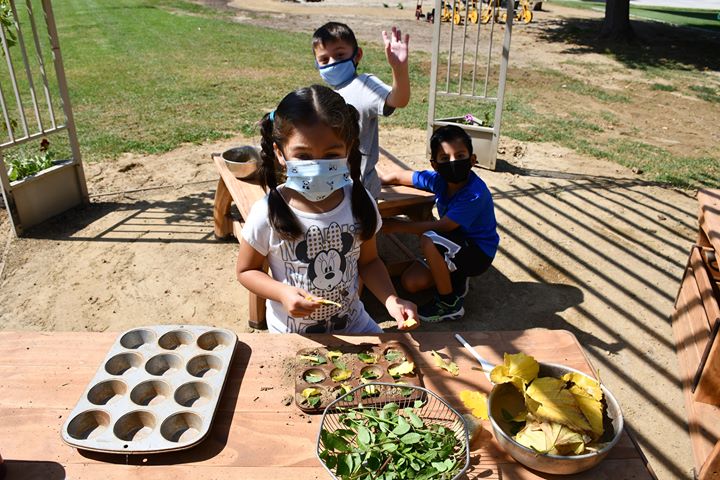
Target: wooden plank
(690, 326)
(244, 193)
(221, 211)
(709, 217)
(708, 373)
(711, 469)
(703, 419)
(705, 286)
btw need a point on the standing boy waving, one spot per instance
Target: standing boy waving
(337, 56)
(464, 241)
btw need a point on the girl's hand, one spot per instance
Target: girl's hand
(403, 311)
(295, 302)
(396, 47)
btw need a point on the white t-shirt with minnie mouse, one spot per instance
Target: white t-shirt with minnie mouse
(322, 261)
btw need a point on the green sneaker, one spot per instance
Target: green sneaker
(439, 311)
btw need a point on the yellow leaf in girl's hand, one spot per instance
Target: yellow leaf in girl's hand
(518, 369)
(404, 368)
(311, 392)
(445, 364)
(476, 402)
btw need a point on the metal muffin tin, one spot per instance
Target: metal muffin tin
(157, 390)
(331, 389)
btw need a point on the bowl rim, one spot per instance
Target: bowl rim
(602, 451)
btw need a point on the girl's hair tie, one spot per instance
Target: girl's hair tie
(272, 116)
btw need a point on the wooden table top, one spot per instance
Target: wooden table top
(709, 201)
(254, 435)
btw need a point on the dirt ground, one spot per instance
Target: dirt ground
(586, 246)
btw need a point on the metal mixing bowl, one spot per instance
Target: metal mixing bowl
(555, 464)
(242, 161)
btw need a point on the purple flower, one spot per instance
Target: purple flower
(469, 119)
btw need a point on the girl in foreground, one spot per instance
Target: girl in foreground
(317, 230)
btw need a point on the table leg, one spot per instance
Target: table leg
(221, 211)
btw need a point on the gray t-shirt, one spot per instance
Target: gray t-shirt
(322, 261)
(367, 93)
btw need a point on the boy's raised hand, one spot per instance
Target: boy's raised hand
(396, 48)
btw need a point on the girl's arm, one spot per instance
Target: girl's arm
(250, 274)
(374, 274)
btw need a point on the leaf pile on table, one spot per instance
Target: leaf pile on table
(559, 416)
(391, 443)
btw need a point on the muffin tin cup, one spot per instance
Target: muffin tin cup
(157, 390)
(310, 375)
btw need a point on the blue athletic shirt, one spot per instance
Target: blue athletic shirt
(471, 207)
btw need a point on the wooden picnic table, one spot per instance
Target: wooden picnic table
(257, 434)
(392, 201)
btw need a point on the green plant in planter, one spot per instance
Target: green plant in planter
(22, 166)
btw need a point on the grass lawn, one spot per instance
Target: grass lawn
(146, 76)
(701, 18)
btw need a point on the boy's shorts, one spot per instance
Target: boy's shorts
(462, 256)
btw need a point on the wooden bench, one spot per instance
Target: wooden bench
(695, 328)
(392, 201)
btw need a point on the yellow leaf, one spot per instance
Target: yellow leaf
(333, 354)
(533, 437)
(518, 369)
(555, 403)
(445, 364)
(592, 387)
(404, 368)
(591, 408)
(311, 392)
(409, 323)
(475, 402)
(342, 375)
(563, 441)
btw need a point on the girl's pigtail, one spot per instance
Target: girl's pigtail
(363, 207)
(282, 219)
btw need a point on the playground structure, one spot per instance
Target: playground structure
(467, 11)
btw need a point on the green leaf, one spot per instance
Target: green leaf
(402, 428)
(368, 358)
(415, 420)
(439, 466)
(393, 356)
(410, 438)
(313, 378)
(363, 435)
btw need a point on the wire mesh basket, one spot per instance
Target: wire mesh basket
(380, 428)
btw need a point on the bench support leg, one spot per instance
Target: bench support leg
(221, 212)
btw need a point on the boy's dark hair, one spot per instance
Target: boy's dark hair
(448, 133)
(332, 32)
(310, 106)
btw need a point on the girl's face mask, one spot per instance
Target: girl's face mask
(317, 179)
(339, 73)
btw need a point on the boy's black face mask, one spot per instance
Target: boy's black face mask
(456, 171)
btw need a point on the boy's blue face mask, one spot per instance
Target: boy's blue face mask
(339, 73)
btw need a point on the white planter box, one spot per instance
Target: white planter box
(483, 139)
(46, 194)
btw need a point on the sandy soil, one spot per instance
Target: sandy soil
(586, 246)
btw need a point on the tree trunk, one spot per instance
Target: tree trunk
(616, 26)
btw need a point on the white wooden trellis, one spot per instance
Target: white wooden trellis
(52, 191)
(454, 83)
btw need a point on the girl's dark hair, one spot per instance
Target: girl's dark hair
(311, 106)
(448, 133)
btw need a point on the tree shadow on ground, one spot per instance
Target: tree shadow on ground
(657, 44)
